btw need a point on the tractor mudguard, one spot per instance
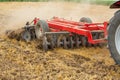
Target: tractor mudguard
(115, 5)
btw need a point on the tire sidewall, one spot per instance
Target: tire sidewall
(114, 23)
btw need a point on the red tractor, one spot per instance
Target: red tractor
(114, 33)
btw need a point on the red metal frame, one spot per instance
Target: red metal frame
(80, 28)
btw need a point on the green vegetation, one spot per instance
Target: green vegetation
(23, 0)
(102, 2)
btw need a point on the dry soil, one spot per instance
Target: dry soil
(25, 61)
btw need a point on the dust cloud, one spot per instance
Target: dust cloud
(20, 13)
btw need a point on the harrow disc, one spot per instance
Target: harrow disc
(26, 36)
(95, 36)
(45, 44)
(52, 42)
(59, 41)
(71, 45)
(84, 41)
(77, 41)
(65, 45)
(54, 39)
(100, 35)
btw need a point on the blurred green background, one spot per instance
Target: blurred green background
(102, 2)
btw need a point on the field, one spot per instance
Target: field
(25, 61)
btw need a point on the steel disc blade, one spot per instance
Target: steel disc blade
(45, 44)
(65, 43)
(52, 42)
(26, 36)
(84, 41)
(100, 35)
(55, 40)
(58, 42)
(95, 37)
(71, 43)
(77, 41)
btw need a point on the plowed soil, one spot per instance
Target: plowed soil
(25, 61)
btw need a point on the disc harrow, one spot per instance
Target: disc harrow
(59, 32)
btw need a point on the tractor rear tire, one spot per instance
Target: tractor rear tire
(86, 19)
(114, 37)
